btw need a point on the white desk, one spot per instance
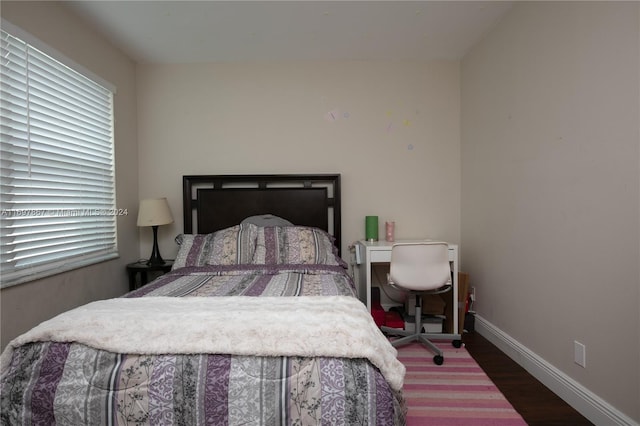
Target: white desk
(380, 252)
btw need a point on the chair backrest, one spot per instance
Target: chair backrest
(420, 266)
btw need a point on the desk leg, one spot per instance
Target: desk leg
(455, 298)
(369, 287)
(364, 278)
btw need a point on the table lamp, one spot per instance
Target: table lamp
(154, 212)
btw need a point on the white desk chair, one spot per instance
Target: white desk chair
(419, 269)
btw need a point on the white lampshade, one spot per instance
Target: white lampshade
(154, 211)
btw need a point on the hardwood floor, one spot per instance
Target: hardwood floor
(535, 402)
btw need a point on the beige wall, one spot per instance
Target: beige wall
(550, 187)
(395, 137)
(24, 306)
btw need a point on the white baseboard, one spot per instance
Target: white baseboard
(590, 405)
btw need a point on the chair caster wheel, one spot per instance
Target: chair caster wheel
(457, 343)
(438, 360)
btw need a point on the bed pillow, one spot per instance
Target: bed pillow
(267, 220)
(233, 246)
(193, 250)
(295, 245)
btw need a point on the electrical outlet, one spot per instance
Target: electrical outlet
(580, 354)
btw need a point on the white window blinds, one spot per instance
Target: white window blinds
(57, 183)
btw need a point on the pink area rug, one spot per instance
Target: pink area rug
(457, 392)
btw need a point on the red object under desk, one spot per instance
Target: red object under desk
(378, 314)
(393, 320)
(389, 319)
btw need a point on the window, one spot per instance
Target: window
(57, 180)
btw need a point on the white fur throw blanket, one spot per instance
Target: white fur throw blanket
(318, 326)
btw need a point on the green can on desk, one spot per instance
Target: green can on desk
(371, 228)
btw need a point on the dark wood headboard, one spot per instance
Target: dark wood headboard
(214, 202)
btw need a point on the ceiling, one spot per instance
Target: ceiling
(231, 31)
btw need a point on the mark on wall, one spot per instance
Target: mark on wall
(332, 115)
(405, 122)
(335, 115)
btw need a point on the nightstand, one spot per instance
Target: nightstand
(143, 269)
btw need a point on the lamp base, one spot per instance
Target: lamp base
(155, 259)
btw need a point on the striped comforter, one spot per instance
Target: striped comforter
(72, 384)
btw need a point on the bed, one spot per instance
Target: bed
(257, 323)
